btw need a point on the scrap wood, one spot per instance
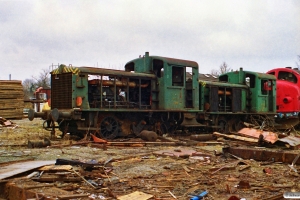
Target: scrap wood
(186, 169)
(56, 177)
(83, 179)
(172, 194)
(5, 122)
(161, 186)
(140, 143)
(293, 163)
(236, 137)
(72, 196)
(39, 186)
(56, 167)
(137, 195)
(225, 167)
(71, 144)
(118, 144)
(289, 185)
(17, 168)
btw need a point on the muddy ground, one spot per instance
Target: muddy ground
(153, 170)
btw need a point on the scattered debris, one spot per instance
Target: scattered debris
(199, 196)
(7, 123)
(263, 154)
(39, 144)
(291, 140)
(180, 153)
(148, 135)
(18, 168)
(236, 137)
(136, 195)
(203, 137)
(104, 169)
(294, 162)
(255, 133)
(243, 185)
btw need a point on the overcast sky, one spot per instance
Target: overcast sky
(253, 34)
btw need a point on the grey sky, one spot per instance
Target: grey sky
(253, 34)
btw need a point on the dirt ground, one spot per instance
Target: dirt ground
(150, 170)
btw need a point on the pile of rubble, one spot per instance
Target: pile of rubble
(251, 164)
(7, 123)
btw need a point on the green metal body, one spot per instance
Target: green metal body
(154, 93)
(262, 87)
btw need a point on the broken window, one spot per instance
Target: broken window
(288, 76)
(177, 76)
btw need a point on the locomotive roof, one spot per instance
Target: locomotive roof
(99, 71)
(287, 69)
(258, 74)
(174, 61)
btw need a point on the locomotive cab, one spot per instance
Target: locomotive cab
(261, 89)
(288, 93)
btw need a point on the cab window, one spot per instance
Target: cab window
(287, 76)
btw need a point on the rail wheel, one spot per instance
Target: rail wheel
(223, 125)
(238, 125)
(109, 128)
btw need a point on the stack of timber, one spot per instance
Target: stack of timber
(11, 99)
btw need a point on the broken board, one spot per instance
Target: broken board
(182, 153)
(136, 196)
(21, 167)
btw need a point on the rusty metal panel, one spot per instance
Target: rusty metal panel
(17, 168)
(61, 91)
(291, 140)
(268, 136)
(236, 100)
(214, 99)
(263, 154)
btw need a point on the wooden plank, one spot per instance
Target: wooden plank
(11, 99)
(136, 196)
(10, 81)
(11, 87)
(72, 196)
(11, 104)
(56, 167)
(17, 168)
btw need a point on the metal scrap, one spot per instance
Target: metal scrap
(255, 133)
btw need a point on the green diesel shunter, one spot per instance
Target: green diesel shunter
(153, 93)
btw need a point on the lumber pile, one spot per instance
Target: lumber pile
(11, 99)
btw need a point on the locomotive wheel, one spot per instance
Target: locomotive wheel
(223, 125)
(177, 117)
(109, 128)
(238, 125)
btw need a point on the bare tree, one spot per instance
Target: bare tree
(30, 85)
(28, 88)
(222, 69)
(44, 79)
